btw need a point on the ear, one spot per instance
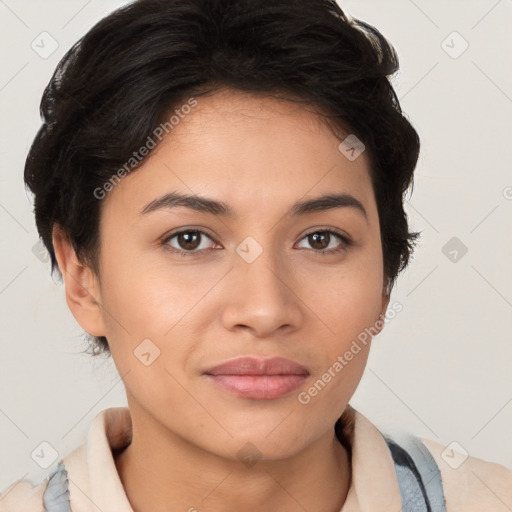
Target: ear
(385, 302)
(81, 285)
(380, 322)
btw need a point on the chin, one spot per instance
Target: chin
(250, 450)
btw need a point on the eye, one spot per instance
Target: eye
(189, 242)
(322, 239)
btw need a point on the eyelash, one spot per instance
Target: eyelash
(346, 242)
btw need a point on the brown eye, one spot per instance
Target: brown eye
(188, 242)
(321, 240)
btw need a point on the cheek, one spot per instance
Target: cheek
(349, 310)
(350, 314)
(350, 298)
(143, 296)
(349, 303)
(147, 313)
(150, 310)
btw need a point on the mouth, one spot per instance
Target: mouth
(258, 379)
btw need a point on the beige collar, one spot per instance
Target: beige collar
(94, 482)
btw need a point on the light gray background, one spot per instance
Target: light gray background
(440, 369)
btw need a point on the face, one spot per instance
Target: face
(183, 290)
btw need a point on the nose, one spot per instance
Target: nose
(262, 297)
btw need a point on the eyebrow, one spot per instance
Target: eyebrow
(219, 208)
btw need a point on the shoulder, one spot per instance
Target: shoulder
(23, 496)
(90, 463)
(471, 484)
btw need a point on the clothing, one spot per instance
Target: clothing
(94, 484)
(419, 479)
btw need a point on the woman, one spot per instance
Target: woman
(220, 184)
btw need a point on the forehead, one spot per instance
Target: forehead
(252, 151)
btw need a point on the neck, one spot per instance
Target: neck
(159, 468)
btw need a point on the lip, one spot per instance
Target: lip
(259, 379)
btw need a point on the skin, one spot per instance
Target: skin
(259, 155)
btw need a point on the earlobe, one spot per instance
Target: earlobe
(385, 303)
(380, 322)
(81, 285)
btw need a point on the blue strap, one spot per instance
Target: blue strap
(419, 478)
(56, 494)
